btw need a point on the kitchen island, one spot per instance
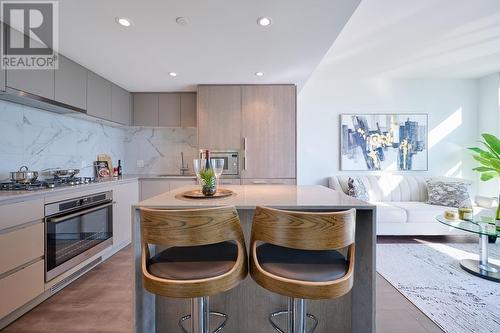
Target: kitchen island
(249, 305)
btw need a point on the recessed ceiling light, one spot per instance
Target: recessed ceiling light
(264, 21)
(181, 20)
(259, 74)
(123, 21)
(172, 74)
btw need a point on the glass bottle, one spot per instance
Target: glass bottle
(119, 167)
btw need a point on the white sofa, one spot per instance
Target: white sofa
(401, 204)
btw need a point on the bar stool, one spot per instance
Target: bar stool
(295, 254)
(205, 255)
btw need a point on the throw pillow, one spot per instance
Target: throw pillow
(356, 189)
(449, 194)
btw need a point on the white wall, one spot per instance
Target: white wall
(489, 121)
(451, 105)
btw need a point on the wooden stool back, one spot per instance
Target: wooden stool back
(304, 231)
(192, 227)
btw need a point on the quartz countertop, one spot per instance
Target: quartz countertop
(9, 196)
(250, 196)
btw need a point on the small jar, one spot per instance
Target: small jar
(465, 214)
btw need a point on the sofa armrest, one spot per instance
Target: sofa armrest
(486, 202)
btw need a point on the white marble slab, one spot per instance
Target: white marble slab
(160, 149)
(41, 140)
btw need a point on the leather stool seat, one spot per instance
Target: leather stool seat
(194, 262)
(302, 265)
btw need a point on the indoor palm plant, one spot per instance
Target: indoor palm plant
(489, 159)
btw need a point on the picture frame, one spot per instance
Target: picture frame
(384, 142)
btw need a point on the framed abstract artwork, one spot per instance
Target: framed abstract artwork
(390, 141)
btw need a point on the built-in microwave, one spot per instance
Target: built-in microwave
(231, 160)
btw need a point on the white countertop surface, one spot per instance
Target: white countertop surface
(250, 196)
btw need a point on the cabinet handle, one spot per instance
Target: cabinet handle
(245, 143)
(259, 182)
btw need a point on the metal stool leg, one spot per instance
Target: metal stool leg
(200, 317)
(296, 317)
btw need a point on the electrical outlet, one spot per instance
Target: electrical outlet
(140, 163)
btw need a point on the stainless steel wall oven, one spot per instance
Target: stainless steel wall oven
(75, 230)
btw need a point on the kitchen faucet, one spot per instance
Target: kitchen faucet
(183, 168)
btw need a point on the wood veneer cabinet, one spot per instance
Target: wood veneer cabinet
(219, 117)
(259, 120)
(165, 109)
(268, 131)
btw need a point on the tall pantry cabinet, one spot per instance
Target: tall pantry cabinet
(257, 120)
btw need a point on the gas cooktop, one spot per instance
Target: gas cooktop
(46, 183)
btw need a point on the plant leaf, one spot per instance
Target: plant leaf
(482, 160)
(485, 176)
(493, 142)
(481, 152)
(483, 169)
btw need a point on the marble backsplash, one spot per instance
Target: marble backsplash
(40, 139)
(159, 149)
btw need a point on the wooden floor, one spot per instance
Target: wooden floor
(101, 301)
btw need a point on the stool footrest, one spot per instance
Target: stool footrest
(286, 312)
(212, 313)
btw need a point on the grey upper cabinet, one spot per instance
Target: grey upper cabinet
(120, 105)
(71, 83)
(219, 117)
(188, 109)
(98, 96)
(169, 112)
(39, 82)
(145, 109)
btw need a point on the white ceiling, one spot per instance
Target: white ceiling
(423, 38)
(221, 44)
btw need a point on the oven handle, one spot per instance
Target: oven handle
(86, 211)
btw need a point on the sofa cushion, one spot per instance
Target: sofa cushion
(448, 193)
(388, 213)
(356, 189)
(419, 212)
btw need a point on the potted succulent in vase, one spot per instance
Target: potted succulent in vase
(489, 159)
(208, 182)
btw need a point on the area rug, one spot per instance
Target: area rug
(430, 277)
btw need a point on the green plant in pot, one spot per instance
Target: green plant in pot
(489, 158)
(208, 182)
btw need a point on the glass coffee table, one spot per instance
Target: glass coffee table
(481, 227)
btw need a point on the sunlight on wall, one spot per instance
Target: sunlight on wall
(442, 130)
(455, 171)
